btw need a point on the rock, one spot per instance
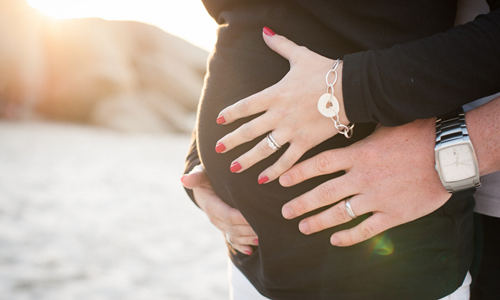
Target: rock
(119, 74)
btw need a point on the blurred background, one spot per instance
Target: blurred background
(97, 101)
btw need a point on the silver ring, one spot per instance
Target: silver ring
(228, 239)
(271, 142)
(349, 210)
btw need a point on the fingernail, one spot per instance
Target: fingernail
(334, 240)
(287, 212)
(219, 148)
(221, 120)
(248, 252)
(285, 180)
(304, 227)
(256, 241)
(268, 31)
(235, 167)
(263, 180)
(182, 178)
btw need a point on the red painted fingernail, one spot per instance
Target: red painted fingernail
(268, 31)
(256, 241)
(182, 178)
(221, 120)
(235, 167)
(219, 148)
(263, 180)
(248, 252)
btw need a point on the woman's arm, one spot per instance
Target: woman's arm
(427, 77)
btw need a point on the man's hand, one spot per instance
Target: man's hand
(390, 174)
(228, 220)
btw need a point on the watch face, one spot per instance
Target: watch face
(457, 163)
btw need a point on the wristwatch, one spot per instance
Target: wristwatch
(456, 161)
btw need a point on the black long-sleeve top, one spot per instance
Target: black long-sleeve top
(391, 49)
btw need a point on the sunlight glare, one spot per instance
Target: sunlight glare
(187, 19)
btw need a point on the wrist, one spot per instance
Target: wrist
(483, 132)
(340, 96)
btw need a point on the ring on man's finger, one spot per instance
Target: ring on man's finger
(271, 142)
(348, 209)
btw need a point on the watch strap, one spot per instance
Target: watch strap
(451, 126)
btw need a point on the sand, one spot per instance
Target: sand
(88, 213)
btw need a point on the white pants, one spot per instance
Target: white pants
(241, 289)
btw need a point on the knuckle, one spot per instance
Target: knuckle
(245, 131)
(322, 163)
(298, 206)
(318, 223)
(263, 148)
(242, 107)
(236, 239)
(367, 231)
(297, 173)
(326, 193)
(347, 240)
(293, 175)
(339, 213)
(284, 163)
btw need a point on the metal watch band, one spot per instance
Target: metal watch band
(451, 126)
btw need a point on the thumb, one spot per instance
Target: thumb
(195, 178)
(279, 43)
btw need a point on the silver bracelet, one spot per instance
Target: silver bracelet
(328, 105)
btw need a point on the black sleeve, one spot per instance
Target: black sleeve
(192, 160)
(427, 77)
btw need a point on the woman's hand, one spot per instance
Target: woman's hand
(290, 110)
(390, 174)
(227, 219)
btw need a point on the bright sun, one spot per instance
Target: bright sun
(186, 19)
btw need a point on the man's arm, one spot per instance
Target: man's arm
(427, 77)
(392, 161)
(483, 124)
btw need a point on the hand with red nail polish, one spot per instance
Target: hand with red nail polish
(235, 167)
(289, 110)
(228, 220)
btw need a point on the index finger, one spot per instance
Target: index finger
(245, 107)
(326, 162)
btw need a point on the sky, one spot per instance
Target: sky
(187, 19)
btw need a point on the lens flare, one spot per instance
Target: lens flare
(382, 245)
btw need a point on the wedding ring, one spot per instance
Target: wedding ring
(228, 239)
(349, 210)
(271, 142)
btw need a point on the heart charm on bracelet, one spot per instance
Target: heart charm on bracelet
(328, 105)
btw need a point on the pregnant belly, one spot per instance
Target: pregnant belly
(235, 73)
(310, 262)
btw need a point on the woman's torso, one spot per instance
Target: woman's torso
(427, 258)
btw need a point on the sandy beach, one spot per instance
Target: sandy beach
(88, 213)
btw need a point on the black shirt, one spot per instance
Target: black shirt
(424, 259)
